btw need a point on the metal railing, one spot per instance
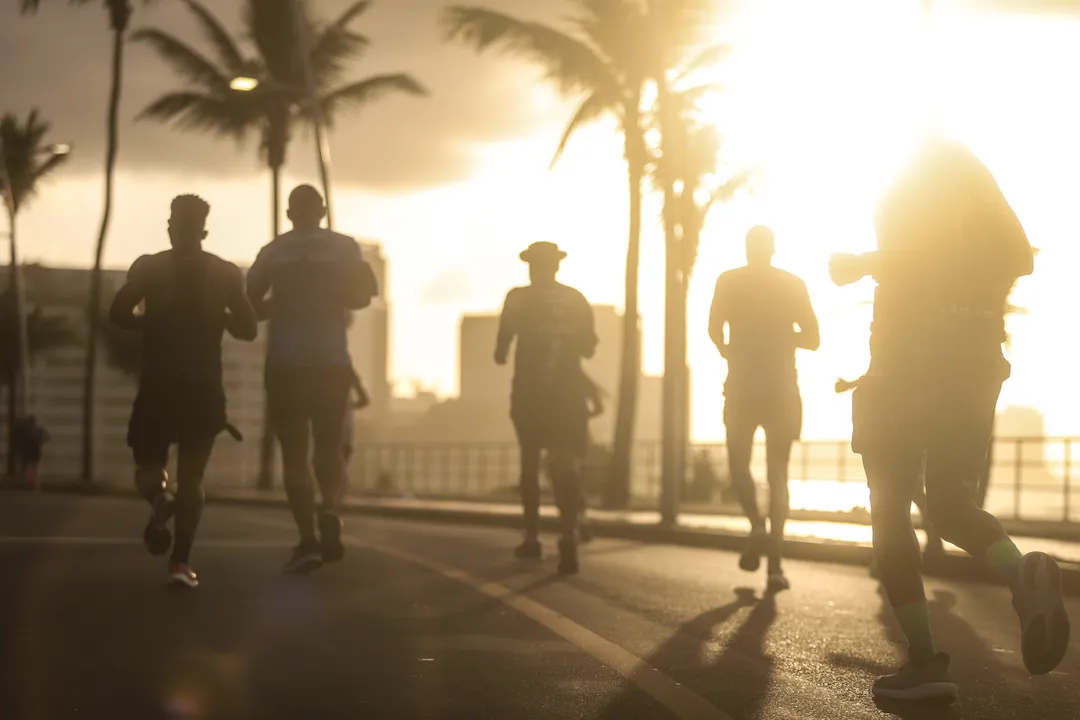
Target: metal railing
(1031, 478)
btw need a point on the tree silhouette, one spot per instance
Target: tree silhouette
(120, 12)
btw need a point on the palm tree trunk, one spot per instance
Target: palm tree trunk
(120, 13)
(13, 374)
(618, 487)
(672, 460)
(265, 479)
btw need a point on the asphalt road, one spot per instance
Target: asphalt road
(438, 621)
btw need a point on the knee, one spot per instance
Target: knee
(562, 462)
(329, 464)
(191, 492)
(945, 511)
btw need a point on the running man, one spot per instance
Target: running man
(315, 276)
(762, 305)
(555, 330)
(191, 298)
(31, 438)
(950, 249)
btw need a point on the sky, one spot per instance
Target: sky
(822, 99)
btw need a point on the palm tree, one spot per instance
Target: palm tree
(25, 161)
(680, 43)
(700, 182)
(120, 12)
(599, 57)
(208, 103)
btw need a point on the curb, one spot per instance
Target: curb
(952, 566)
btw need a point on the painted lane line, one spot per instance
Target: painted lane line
(92, 540)
(680, 700)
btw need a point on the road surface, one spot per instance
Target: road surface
(438, 621)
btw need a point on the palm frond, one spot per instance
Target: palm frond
(373, 88)
(207, 113)
(26, 157)
(566, 60)
(591, 108)
(185, 60)
(228, 52)
(271, 25)
(707, 58)
(336, 43)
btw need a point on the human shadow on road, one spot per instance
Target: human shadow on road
(978, 663)
(737, 679)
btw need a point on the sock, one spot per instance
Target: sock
(1003, 557)
(914, 619)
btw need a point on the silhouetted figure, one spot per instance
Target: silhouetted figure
(762, 306)
(949, 251)
(31, 438)
(191, 298)
(348, 438)
(549, 400)
(315, 276)
(935, 549)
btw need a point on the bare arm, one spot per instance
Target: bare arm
(846, 268)
(122, 311)
(360, 286)
(507, 328)
(809, 335)
(718, 318)
(240, 318)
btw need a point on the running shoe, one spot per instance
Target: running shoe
(777, 581)
(529, 550)
(181, 574)
(750, 560)
(568, 560)
(1044, 625)
(156, 536)
(332, 549)
(925, 681)
(306, 557)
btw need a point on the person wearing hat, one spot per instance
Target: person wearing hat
(761, 305)
(555, 330)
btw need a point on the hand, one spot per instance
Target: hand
(846, 268)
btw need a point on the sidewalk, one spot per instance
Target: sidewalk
(822, 541)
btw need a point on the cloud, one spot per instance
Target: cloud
(58, 60)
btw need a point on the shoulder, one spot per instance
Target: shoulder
(790, 280)
(148, 264)
(573, 292)
(729, 277)
(223, 268)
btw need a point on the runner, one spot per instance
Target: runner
(31, 438)
(554, 327)
(190, 297)
(949, 251)
(315, 275)
(761, 306)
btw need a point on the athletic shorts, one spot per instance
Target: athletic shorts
(945, 424)
(551, 421)
(308, 402)
(776, 409)
(166, 413)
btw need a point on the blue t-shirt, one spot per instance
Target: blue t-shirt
(313, 276)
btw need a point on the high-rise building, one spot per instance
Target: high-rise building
(369, 339)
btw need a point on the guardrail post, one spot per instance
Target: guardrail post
(805, 460)
(841, 462)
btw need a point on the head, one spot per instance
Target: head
(306, 207)
(760, 246)
(544, 259)
(187, 222)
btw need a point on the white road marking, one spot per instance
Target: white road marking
(683, 702)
